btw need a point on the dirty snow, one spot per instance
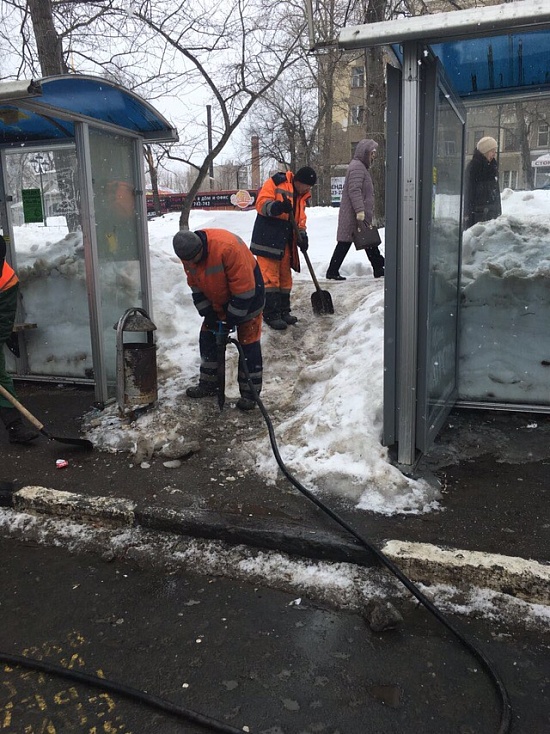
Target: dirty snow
(323, 378)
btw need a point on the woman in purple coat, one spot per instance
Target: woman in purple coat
(357, 205)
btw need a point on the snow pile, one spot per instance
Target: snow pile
(323, 378)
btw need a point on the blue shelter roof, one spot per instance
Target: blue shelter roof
(498, 50)
(509, 63)
(52, 105)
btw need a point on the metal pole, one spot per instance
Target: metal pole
(38, 158)
(209, 128)
(42, 195)
(407, 266)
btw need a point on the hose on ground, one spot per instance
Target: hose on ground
(502, 693)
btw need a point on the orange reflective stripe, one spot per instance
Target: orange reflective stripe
(8, 278)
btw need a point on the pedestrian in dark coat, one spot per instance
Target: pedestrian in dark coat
(18, 432)
(482, 195)
(227, 287)
(357, 205)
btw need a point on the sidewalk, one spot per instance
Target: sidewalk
(492, 529)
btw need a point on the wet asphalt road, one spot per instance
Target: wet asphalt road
(246, 656)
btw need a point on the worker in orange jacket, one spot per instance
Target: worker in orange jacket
(274, 241)
(18, 432)
(227, 286)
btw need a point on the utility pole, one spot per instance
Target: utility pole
(209, 128)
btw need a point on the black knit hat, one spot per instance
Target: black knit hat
(306, 175)
(187, 244)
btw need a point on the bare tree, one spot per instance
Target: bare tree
(286, 122)
(375, 103)
(231, 54)
(524, 116)
(48, 42)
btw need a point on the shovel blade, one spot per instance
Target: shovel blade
(321, 302)
(82, 443)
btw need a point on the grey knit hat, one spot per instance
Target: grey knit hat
(486, 144)
(187, 244)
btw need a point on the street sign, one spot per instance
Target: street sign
(32, 205)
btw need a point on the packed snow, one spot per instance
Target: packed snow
(323, 378)
(343, 586)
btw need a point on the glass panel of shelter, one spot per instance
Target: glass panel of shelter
(49, 255)
(505, 299)
(439, 262)
(117, 216)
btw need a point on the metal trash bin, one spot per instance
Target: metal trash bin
(136, 367)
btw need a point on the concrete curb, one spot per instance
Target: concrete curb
(423, 563)
(430, 564)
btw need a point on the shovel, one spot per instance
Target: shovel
(82, 442)
(321, 301)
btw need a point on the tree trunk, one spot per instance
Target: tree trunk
(375, 108)
(50, 56)
(48, 41)
(326, 73)
(525, 153)
(190, 196)
(153, 173)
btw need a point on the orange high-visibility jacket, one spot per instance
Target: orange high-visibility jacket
(272, 233)
(227, 282)
(8, 278)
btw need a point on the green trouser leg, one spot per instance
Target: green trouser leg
(8, 307)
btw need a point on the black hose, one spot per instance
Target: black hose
(120, 689)
(205, 721)
(506, 707)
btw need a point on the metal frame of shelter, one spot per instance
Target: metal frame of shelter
(102, 124)
(482, 55)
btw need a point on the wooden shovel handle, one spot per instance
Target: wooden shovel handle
(16, 404)
(306, 256)
(311, 271)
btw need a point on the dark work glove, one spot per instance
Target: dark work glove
(211, 320)
(281, 207)
(303, 242)
(222, 332)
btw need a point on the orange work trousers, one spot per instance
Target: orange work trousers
(277, 274)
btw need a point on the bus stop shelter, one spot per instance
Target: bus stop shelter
(442, 63)
(73, 214)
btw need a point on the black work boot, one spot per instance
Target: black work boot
(272, 312)
(244, 403)
(18, 432)
(285, 310)
(201, 391)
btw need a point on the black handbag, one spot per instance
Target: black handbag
(365, 235)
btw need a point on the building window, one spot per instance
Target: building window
(357, 115)
(544, 134)
(450, 148)
(357, 77)
(510, 140)
(510, 179)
